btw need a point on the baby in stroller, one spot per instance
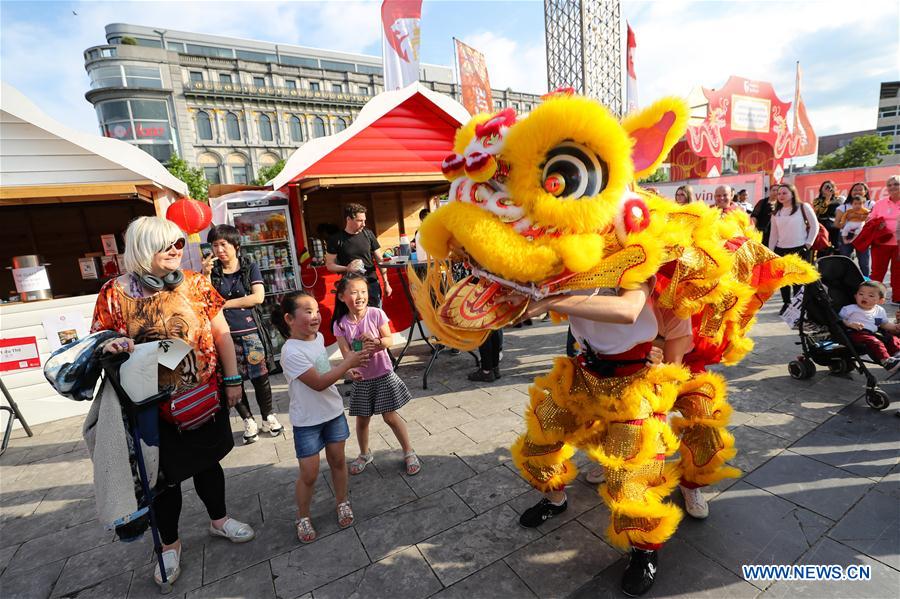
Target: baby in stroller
(839, 317)
(867, 317)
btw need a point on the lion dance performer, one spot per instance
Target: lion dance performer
(545, 212)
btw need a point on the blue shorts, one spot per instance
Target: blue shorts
(310, 440)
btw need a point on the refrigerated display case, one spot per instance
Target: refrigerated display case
(268, 239)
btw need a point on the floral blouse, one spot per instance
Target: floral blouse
(182, 313)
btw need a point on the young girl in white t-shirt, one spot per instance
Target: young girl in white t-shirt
(316, 409)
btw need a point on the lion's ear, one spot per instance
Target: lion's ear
(654, 131)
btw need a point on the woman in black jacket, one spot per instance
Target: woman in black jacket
(238, 280)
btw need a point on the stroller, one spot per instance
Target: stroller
(142, 419)
(823, 337)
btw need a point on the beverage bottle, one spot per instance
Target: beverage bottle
(279, 277)
(404, 245)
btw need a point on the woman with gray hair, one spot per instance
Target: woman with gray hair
(156, 300)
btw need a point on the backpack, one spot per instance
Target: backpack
(216, 278)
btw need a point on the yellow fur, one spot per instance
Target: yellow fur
(719, 275)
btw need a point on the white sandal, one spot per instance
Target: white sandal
(413, 465)
(359, 464)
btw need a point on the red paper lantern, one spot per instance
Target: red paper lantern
(190, 215)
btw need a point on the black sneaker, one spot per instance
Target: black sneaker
(541, 512)
(640, 573)
(480, 376)
(497, 374)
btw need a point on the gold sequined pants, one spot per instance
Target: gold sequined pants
(705, 442)
(619, 422)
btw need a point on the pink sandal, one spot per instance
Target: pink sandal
(305, 531)
(345, 514)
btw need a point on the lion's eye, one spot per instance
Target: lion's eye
(573, 171)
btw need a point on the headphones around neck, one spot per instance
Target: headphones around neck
(170, 281)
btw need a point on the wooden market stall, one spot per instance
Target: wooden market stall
(388, 160)
(60, 191)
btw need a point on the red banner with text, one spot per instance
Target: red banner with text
(473, 79)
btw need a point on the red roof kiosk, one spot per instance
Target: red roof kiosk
(388, 160)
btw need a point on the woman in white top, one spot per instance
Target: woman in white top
(793, 229)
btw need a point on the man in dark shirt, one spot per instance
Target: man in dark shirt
(761, 217)
(353, 249)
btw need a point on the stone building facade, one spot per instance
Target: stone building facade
(233, 106)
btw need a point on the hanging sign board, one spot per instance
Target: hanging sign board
(31, 278)
(64, 328)
(110, 248)
(88, 267)
(19, 353)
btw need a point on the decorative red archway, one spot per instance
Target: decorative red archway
(748, 116)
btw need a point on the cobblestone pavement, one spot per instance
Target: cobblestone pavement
(821, 485)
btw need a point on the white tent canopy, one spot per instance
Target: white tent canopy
(36, 150)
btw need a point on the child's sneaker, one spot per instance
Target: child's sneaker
(271, 425)
(251, 431)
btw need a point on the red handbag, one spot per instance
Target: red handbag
(823, 240)
(192, 408)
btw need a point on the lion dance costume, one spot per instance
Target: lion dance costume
(545, 205)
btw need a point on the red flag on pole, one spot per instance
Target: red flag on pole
(400, 43)
(809, 143)
(473, 79)
(631, 97)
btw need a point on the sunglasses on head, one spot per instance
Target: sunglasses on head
(178, 244)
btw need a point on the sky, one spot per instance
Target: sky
(845, 48)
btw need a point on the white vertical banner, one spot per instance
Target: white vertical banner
(631, 95)
(400, 42)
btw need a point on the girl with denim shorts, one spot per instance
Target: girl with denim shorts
(316, 409)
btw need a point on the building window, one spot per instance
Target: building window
(239, 174)
(318, 127)
(363, 90)
(498, 104)
(259, 81)
(204, 127)
(225, 78)
(314, 86)
(336, 88)
(516, 106)
(290, 83)
(143, 77)
(232, 127)
(265, 128)
(888, 111)
(296, 129)
(334, 65)
(125, 76)
(196, 77)
(212, 174)
(887, 131)
(142, 122)
(339, 125)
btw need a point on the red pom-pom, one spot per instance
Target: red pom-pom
(635, 215)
